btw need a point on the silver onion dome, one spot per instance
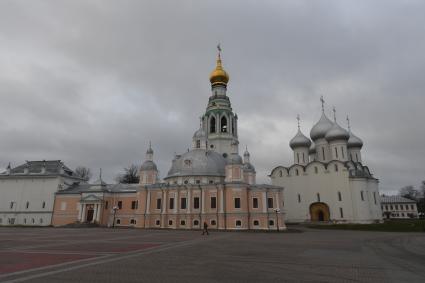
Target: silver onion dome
(300, 140)
(148, 165)
(198, 162)
(320, 129)
(200, 133)
(354, 141)
(312, 149)
(248, 167)
(337, 133)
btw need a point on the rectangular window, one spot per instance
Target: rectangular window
(298, 157)
(396, 207)
(158, 203)
(361, 195)
(299, 198)
(63, 205)
(106, 204)
(27, 205)
(183, 203)
(255, 202)
(11, 205)
(270, 202)
(237, 203)
(318, 197)
(336, 153)
(323, 152)
(196, 202)
(303, 158)
(339, 196)
(412, 207)
(171, 203)
(341, 212)
(119, 204)
(133, 205)
(342, 151)
(374, 197)
(44, 204)
(213, 202)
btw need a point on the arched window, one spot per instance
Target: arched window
(256, 223)
(238, 223)
(323, 153)
(212, 125)
(336, 167)
(271, 223)
(223, 124)
(213, 223)
(296, 172)
(336, 153)
(318, 197)
(342, 151)
(280, 173)
(303, 158)
(316, 170)
(298, 157)
(195, 222)
(357, 158)
(339, 196)
(198, 144)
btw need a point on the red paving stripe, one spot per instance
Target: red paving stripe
(13, 262)
(20, 260)
(97, 247)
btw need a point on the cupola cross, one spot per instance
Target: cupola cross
(323, 103)
(298, 119)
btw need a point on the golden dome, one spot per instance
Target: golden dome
(219, 75)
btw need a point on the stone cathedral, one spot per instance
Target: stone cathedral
(210, 183)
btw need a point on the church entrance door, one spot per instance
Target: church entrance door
(319, 211)
(90, 213)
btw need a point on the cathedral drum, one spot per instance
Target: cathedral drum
(319, 211)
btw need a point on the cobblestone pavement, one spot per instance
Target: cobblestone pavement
(133, 255)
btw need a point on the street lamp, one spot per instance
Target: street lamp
(114, 209)
(277, 210)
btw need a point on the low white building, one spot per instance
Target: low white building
(27, 192)
(328, 181)
(397, 207)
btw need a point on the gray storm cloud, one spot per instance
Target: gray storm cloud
(91, 82)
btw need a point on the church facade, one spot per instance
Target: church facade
(211, 183)
(328, 181)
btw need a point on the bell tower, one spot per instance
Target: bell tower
(219, 122)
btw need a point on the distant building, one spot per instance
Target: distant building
(328, 181)
(397, 207)
(210, 183)
(27, 192)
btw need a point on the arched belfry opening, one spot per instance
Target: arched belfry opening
(223, 124)
(212, 125)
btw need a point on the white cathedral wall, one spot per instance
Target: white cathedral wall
(366, 210)
(327, 183)
(21, 190)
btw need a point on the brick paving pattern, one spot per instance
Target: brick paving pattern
(133, 255)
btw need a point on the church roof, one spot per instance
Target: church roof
(198, 162)
(52, 167)
(395, 199)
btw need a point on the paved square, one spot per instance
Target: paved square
(133, 255)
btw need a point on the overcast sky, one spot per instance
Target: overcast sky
(91, 82)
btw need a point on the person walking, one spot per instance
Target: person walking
(205, 230)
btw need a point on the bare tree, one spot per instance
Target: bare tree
(83, 172)
(409, 192)
(130, 175)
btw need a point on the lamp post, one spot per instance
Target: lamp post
(114, 209)
(277, 210)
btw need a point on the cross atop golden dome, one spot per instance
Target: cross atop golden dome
(219, 76)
